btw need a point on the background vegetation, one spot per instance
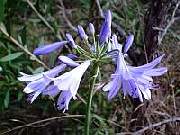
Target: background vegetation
(26, 24)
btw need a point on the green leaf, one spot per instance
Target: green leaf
(2, 7)
(0, 69)
(20, 95)
(38, 70)
(6, 100)
(10, 57)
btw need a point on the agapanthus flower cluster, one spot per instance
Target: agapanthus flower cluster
(136, 82)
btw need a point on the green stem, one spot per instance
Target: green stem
(88, 115)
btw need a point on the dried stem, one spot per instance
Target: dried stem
(40, 16)
(42, 121)
(114, 25)
(164, 31)
(139, 132)
(65, 17)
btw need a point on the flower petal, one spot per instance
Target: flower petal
(81, 32)
(147, 66)
(36, 94)
(91, 28)
(29, 78)
(105, 31)
(63, 100)
(128, 44)
(146, 93)
(68, 61)
(71, 40)
(49, 48)
(35, 85)
(72, 56)
(51, 91)
(115, 86)
(55, 71)
(156, 72)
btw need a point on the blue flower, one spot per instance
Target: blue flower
(105, 31)
(134, 81)
(70, 81)
(37, 83)
(49, 48)
(82, 33)
(40, 83)
(67, 85)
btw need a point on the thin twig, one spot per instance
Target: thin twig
(65, 17)
(99, 8)
(13, 40)
(160, 38)
(42, 121)
(40, 16)
(114, 25)
(139, 132)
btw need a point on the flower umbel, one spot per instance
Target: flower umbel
(96, 50)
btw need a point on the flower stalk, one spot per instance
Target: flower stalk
(88, 114)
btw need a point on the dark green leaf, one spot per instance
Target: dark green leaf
(20, 95)
(6, 100)
(2, 4)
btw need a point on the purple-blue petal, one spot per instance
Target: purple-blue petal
(91, 28)
(72, 56)
(68, 61)
(63, 100)
(105, 31)
(71, 40)
(115, 86)
(82, 33)
(129, 42)
(147, 66)
(49, 48)
(156, 71)
(51, 90)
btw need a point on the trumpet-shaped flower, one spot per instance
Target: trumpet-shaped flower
(70, 81)
(37, 83)
(134, 81)
(49, 48)
(67, 85)
(105, 31)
